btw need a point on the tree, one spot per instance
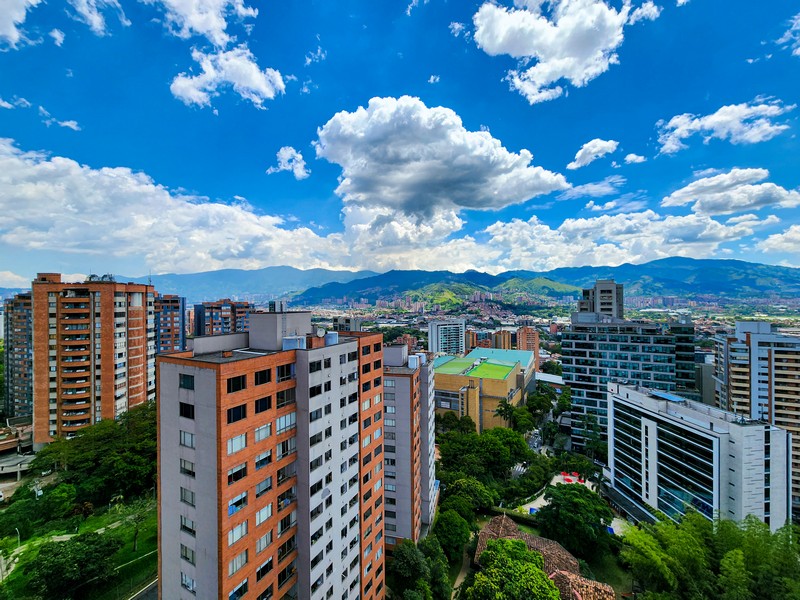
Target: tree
(552, 367)
(437, 564)
(564, 402)
(734, 580)
(549, 432)
(505, 410)
(453, 533)
(511, 572)
(407, 566)
(62, 567)
(577, 518)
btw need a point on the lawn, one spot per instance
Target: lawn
(607, 569)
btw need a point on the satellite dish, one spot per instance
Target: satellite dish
(320, 332)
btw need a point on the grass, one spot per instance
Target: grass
(489, 371)
(606, 568)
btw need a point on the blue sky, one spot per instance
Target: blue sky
(193, 135)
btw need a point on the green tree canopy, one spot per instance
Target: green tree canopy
(511, 572)
(453, 532)
(408, 564)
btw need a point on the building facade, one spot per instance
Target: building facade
(221, 316)
(668, 454)
(757, 375)
(170, 318)
(605, 298)
(18, 359)
(447, 337)
(271, 464)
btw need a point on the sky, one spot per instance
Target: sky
(179, 136)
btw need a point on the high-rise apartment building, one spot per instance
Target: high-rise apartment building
(409, 463)
(757, 375)
(605, 298)
(668, 454)
(447, 337)
(528, 340)
(501, 339)
(18, 359)
(221, 316)
(271, 464)
(170, 316)
(93, 352)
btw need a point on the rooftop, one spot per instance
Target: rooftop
(484, 369)
(523, 357)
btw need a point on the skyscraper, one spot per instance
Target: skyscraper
(18, 324)
(271, 464)
(447, 337)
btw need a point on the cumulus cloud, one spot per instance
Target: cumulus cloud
(290, 159)
(787, 241)
(12, 280)
(791, 39)
(747, 123)
(573, 41)
(606, 187)
(634, 158)
(591, 151)
(433, 79)
(738, 190)
(646, 12)
(235, 68)
(399, 153)
(317, 56)
(90, 12)
(206, 18)
(12, 16)
(58, 36)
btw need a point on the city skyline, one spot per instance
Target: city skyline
(186, 137)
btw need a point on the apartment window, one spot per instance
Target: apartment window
(315, 439)
(263, 404)
(237, 443)
(366, 386)
(367, 422)
(287, 447)
(237, 503)
(187, 467)
(264, 514)
(390, 422)
(264, 569)
(237, 413)
(328, 409)
(263, 486)
(365, 369)
(314, 390)
(239, 591)
(236, 473)
(316, 511)
(328, 432)
(317, 487)
(186, 382)
(188, 525)
(263, 459)
(237, 563)
(285, 372)
(286, 574)
(365, 404)
(286, 472)
(187, 554)
(237, 384)
(186, 410)
(187, 439)
(314, 366)
(365, 350)
(391, 488)
(285, 397)
(315, 415)
(263, 377)
(377, 382)
(187, 496)
(366, 441)
(287, 522)
(264, 541)
(237, 533)
(285, 423)
(376, 347)
(188, 583)
(263, 432)
(390, 410)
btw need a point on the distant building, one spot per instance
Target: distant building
(170, 319)
(446, 337)
(18, 359)
(605, 298)
(501, 339)
(221, 316)
(348, 323)
(757, 375)
(669, 454)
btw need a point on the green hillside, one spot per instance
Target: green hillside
(538, 285)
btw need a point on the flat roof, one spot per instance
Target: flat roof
(486, 369)
(523, 357)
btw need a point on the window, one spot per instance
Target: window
(236, 473)
(188, 583)
(263, 377)
(187, 468)
(264, 569)
(236, 384)
(263, 432)
(287, 447)
(237, 443)
(264, 541)
(263, 459)
(286, 422)
(390, 410)
(263, 486)
(390, 422)
(365, 404)
(186, 382)
(285, 372)
(237, 533)
(315, 415)
(317, 487)
(239, 591)
(237, 503)
(377, 382)
(187, 439)
(263, 404)
(188, 525)
(287, 522)
(314, 390)
(315, 366)
(237, 413)
(367, 422)
(286, 574)
(315, 439)
(264, 514)
(366, 386)
(187, 496)
(328, 409)
(376, 347)
(186, 410)
(237, 563)
(327, 386)
(285, 397)
(328, 432)
(327, 363)
(315, 464)
(365, 350)
(187, 554)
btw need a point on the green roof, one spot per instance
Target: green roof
(491, 370)
(455, 366)
(487, 369)
(524, 357)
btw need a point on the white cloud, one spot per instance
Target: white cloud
(787, 241)
(747, 123)
(413, 4)
(456, 28)
(317, 56)
(91, 13)
(606, 187)
(646, 12)
(576, 41)
(49, 120)
(591, 205)
(791, 39)
(206, 18)
(12, 280)
(591, 151)
(738, 190)
(400, 154)
(234, 68)
(681, 2)
(625, 204)
(58, 37)
(290, 159)
(433, 79)
(634, 158)
(4, 104)
(12, 15)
